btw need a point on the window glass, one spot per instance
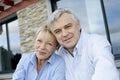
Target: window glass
(95, 17)
(10, 52)
(3, 37)
(3, 45)
(14, 37)
(113, 17)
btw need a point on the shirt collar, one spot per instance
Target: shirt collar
(78, 46)
(52, 58)
(33, 58)
(81, 42)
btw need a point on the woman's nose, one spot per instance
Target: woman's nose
(42, 46)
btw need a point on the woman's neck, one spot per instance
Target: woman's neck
(40, 64)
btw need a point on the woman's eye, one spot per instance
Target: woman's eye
(39, 41)
(50, 44)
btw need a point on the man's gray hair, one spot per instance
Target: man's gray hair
(59, 12)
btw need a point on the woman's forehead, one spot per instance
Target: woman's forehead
(46, 34)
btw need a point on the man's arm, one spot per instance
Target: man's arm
(103, 60)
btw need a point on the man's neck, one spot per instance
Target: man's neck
(71, 52)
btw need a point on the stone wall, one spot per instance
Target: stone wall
(30, 19)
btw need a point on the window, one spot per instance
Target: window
(10, 52)
(113, 19)
(90, 13)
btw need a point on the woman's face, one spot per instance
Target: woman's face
(45, 45)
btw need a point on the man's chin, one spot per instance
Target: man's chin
(68, 46)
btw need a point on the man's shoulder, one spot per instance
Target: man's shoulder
(96, 38)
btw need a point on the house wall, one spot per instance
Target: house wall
(30, 19)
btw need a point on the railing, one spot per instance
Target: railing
(6, 76)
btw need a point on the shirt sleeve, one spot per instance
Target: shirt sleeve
(19, 73)
(103, 61)
(59, 73)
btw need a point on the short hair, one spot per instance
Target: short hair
(45, 28)
(59, 12)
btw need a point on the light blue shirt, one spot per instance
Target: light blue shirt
(92, 59)
(54, 69)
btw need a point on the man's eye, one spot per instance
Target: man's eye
(57, 31)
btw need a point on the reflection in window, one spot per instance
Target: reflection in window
(3, 46)
(113, 17)
(3, 37)
(95, 17)
(14, 37)
(10, 52)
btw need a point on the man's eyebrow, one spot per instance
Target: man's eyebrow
(56, 30)
(68, 24)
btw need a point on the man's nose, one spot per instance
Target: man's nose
(64, 33)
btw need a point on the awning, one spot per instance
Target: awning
(8, 7)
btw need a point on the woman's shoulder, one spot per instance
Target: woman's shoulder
(58, 59)
(26, 57)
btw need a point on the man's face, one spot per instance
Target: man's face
(67, 31)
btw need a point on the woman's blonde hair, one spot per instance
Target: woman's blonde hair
(45, 28)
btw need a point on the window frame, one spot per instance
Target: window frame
(5, 22)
